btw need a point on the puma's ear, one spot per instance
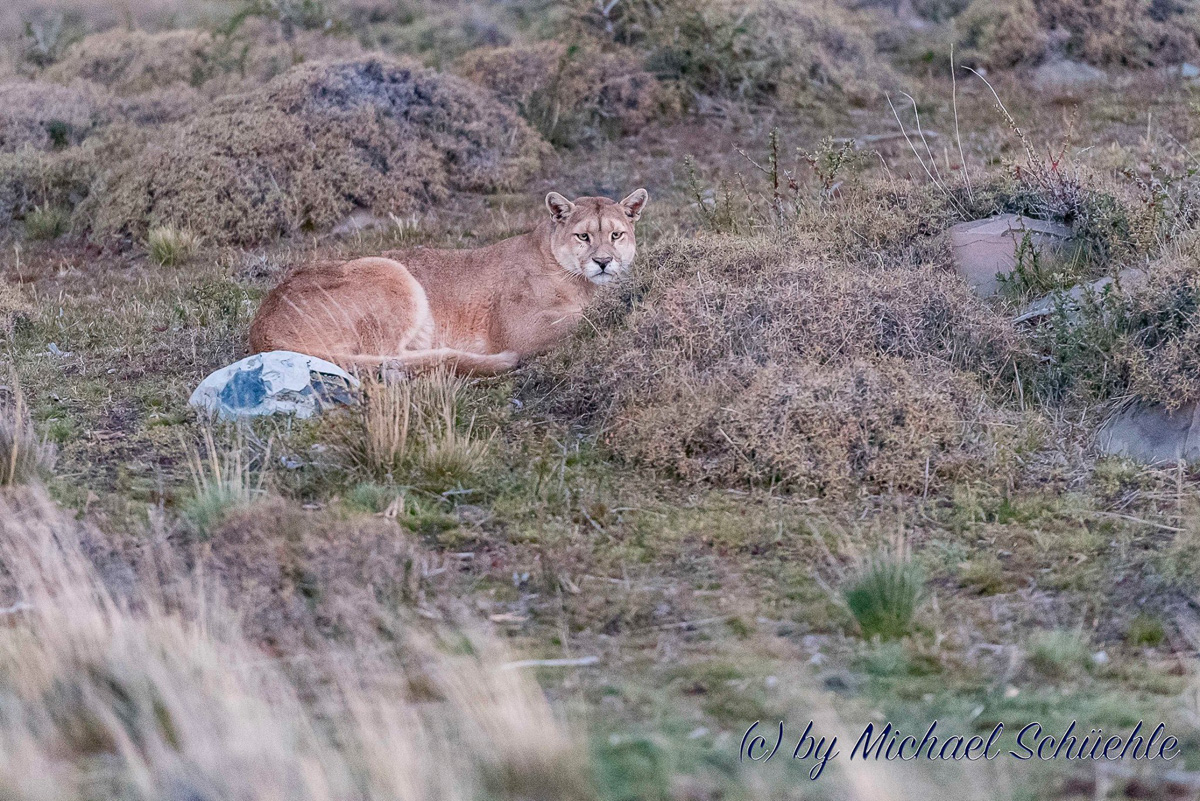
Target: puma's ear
(560, 208)
(634, 204)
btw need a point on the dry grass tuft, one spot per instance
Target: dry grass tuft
(750, 360)
(168, 246)
(411, 430)
(24, 457)
(132, 698)
(308, 148)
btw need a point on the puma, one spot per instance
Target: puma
(477, 312)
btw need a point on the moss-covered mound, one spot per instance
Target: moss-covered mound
(752, 361)
(311, 146)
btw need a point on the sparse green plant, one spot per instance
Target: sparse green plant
(47, 223)
(168, 246)
(1060, 653)
(24, 456)
(224, 479)
(884, 594)
(1145, 630)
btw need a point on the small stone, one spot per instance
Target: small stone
(279, 382)
(1189, 71)
(1100, 658)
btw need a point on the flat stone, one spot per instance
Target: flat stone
(1152, 434)
(987, 249)
(1064, 75)
(1189, 71)
(1069, 299)
(279, 382)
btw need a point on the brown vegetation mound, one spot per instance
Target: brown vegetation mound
(750, 360)
(1127, 33)
(569, 93)
(308, 148)
(130, 62)
(763, 50)
(48, 116)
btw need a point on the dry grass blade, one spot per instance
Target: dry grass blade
(24, 457)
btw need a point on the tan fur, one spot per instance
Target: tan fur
(475, 311)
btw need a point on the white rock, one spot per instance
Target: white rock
(279, 382)
(986, 249)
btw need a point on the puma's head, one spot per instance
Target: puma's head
(593, 237)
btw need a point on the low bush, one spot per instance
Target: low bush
(747, 360)
(47, 116)
(570, 94)
(762, 51)
(131, 63)
(1128, 33)
(308, 148)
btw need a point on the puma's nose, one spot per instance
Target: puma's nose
(602, 261)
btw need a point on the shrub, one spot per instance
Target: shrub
(168, 246)
(47, 222)
(32, 182)
(1130, 33)
(884, 596)
(749, 360)
(129, 62)
(760, 51)
(307, 149)
(1000, 34)
(570, 94)
(46, 116)
(24, 457)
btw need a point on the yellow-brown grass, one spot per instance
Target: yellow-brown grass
(125, 695)
(24, 456)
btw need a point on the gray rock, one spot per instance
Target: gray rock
(1152, 434)
(1189, 71)
(986, 249)
(279, 382)
(1063, 76)
(1069, 299)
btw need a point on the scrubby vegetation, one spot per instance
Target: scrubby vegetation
(794, 467)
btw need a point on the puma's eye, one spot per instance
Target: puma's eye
(581, 237)
(617, 235)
